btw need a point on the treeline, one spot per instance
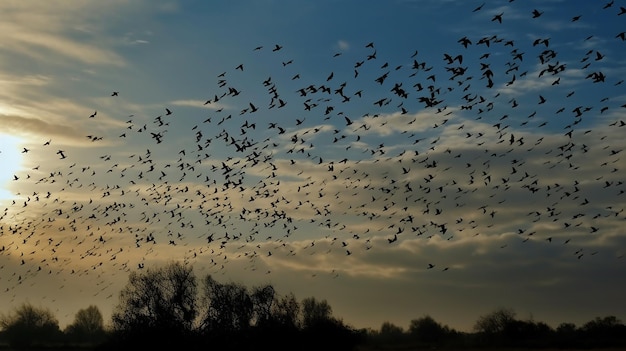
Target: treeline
(500, 329)
(169, 307)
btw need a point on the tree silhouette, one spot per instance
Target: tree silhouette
(88, 326)
(29, 326)
(495, 322)
(315, 312)
(319, 327)
(263, 299)
(605, 331)
(228, 307)
(427, 330)
(157, 305)
(259, 318)
(286, 312)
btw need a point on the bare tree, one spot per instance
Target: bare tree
(88, 325)
(389, 328)
(495, 322)
(228, 307)
(315, 312)
(263, 298)
(286, 312)
(28, 326)
(426, 329)
(160, 299)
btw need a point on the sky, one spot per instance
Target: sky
(395, 158)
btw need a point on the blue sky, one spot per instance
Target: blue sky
(370, 159)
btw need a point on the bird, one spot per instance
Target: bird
(479, 7)
(253, 108)
(541, 100)
(497, 17)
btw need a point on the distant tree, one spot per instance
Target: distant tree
(315, 312)
(286, 312)
(566, 328)
(29, 326)
(88, 325)
(526, 333)
(606, 323)
(388, 334)
(567, 335)
(263, 299)
(228, 307)
(495, 322)
(157, 304)
(496, 327)
(426, 329)
(320, 330)
(389, 328)
(390, 331)
(606, 331)
(277, 326)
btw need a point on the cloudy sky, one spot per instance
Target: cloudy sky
(396, 158)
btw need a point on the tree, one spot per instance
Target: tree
(567, 335)
(497, 327)
(390, 329)
(28, 326)
(319, 327)
(286, 312)
(495, 322)
(428, 330)
(391, 333)
(263, 298)
(88, 325)
(159, 304)
(315, 312)
(607, 331)
(228, 307)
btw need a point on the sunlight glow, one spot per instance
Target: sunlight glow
(10, 161)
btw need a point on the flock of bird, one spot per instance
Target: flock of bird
(242, 183)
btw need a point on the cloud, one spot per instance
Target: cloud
(343, 45)
(43, 31)
(211, 105)
(25, 126)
